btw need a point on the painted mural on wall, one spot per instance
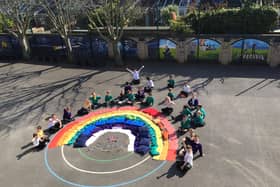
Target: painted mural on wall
(167, 49)
(83, 46)
(99, 48)
(128, 48)
(80, 46)
(250, 50)
(47, 45)
(153, 49)
(208, 50)
(9, 47)
(162, 49)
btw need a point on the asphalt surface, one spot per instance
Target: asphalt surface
(241, 138)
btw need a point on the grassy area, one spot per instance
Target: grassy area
(172, 51)
(236, 52)
(209, 54)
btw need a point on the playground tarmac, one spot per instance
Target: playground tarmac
(240, 141)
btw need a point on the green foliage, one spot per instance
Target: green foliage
(180, 26)
(5, 23)
(249, 20)
(113, 16)
(1, 24)
(166, 13)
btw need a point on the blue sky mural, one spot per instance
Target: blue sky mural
(248, 44)
(128, 48)
(163, 43)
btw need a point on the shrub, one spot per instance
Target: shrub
(248, 20)
(4, 22)
(166, 13)
(180, 27)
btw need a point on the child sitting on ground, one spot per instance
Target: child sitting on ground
(185, 111)
(188, 159)
(185, 124)
(202, 110)
(127, 88)
(193, 102)
(149, 86)
(186, 90)
(188, 140)
(170, 94)
(149, 100)
(54, 124)
(38, 143)
(167, 110)
(185, 161)
(120, 98)
(94, 99)
(198, 120)
(85, 108)
(197, 146)
(135, 75)
(108, 99)
(170, 82)
(67, 115)
(40, 133)
(140, 95)
(130, 99)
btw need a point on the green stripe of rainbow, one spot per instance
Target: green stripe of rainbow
(166, 148)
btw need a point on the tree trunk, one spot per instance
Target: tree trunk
(69, 50)
(117, 53)
(25, 47)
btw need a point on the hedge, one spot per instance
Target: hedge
(179, 27)
(249, 20)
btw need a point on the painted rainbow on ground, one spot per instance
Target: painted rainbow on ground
(126, 117)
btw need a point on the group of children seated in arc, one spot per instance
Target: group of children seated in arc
(191, 116)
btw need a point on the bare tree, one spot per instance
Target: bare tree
(63, 15)
(16, 15)
(110, 18)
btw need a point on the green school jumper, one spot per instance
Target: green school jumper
(131, 97)
(108, 98)
(187, 112)
(186, 124)
(171, 82)
(203, 113)
(171, 95)
(150, 100)
(95, 100)
(198, 120)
